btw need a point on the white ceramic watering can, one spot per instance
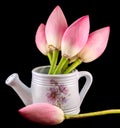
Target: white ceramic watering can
(61, 90)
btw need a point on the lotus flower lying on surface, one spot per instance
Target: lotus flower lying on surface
(43, 113)
(48, 114)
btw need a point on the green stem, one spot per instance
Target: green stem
(54, 61)
(50, 57)
(60, 65)
(65, 66)
(73, 66)
(92, 114)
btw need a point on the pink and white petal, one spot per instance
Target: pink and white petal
(40, 39)
(42, 113)
(96, 44)
(55, 27)
(75, 37)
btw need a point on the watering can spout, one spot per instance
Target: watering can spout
(20, 88)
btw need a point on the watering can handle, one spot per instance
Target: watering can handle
(87, 84)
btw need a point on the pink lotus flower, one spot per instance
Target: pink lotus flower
(43, 113)
(48, 114)
(55, 28)
(75, 37)
(51, 34)
(96, 45)
(40, 39)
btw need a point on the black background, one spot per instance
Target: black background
(18, 53)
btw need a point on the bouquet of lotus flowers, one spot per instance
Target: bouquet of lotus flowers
(75, 42)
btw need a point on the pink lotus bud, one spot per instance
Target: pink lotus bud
(96, 45)
(55, 27)
(75, 37)
(43, 113)
(40, 39)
